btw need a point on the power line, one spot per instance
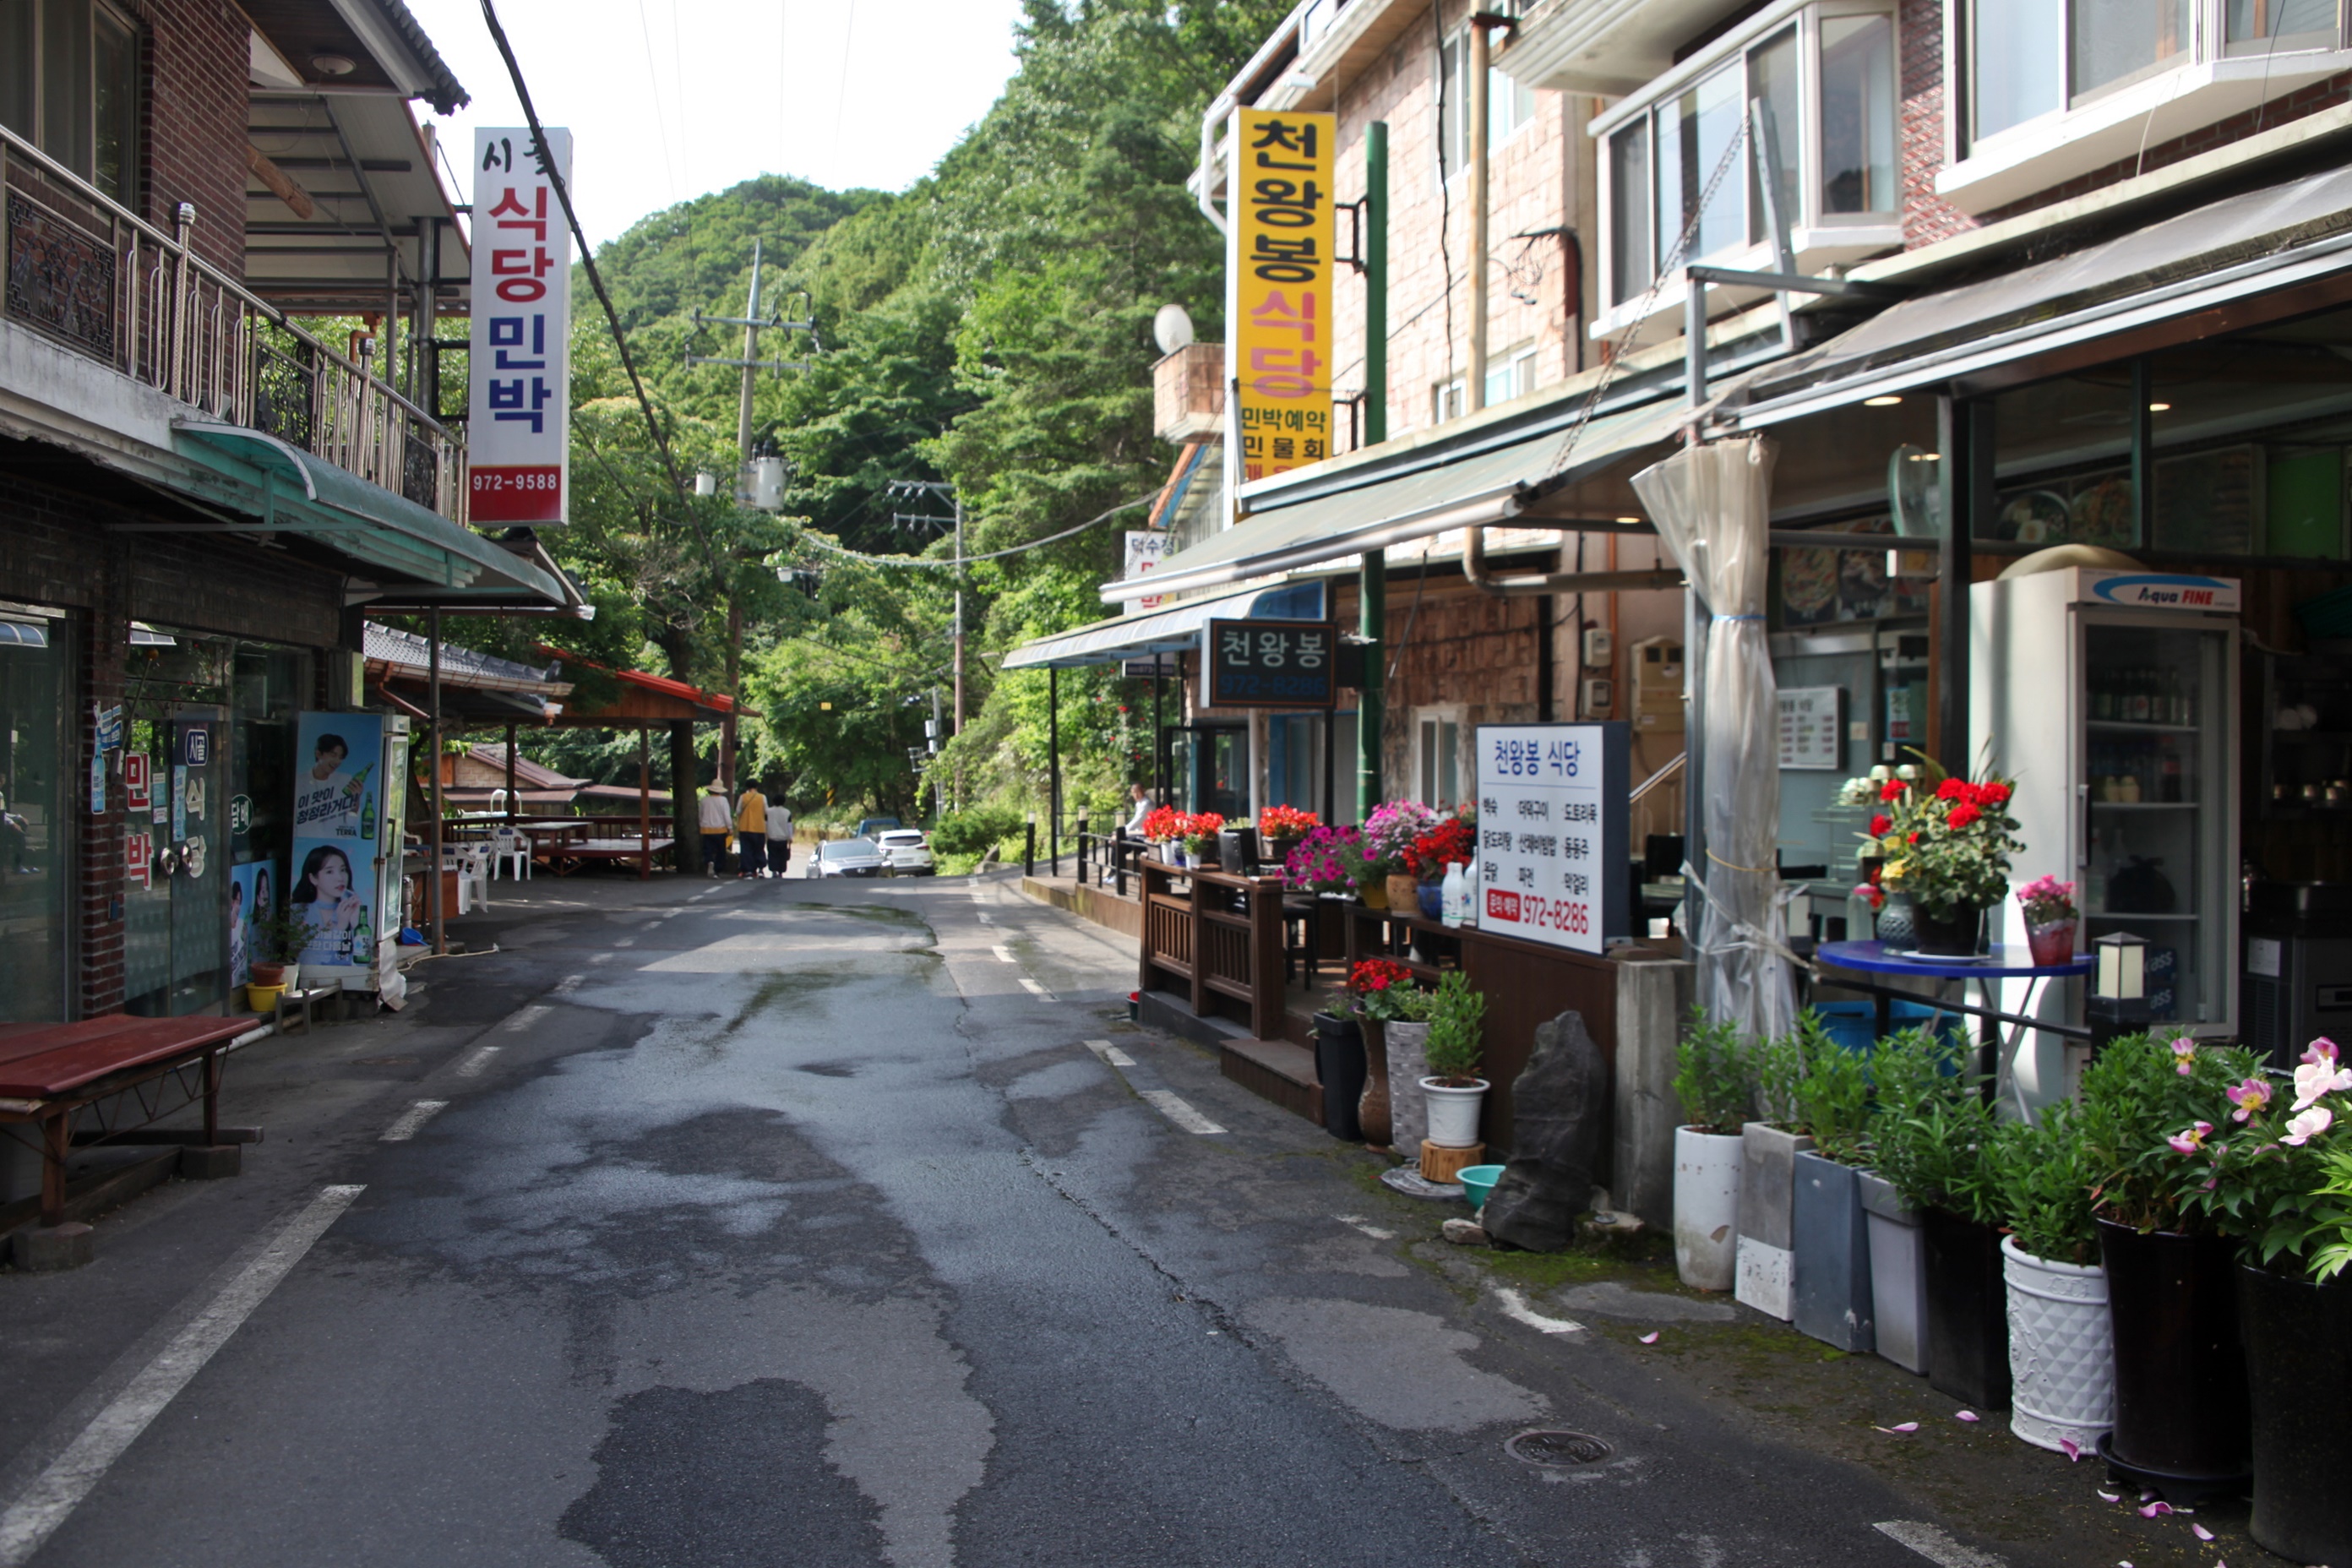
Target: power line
(992, 555)
(841, 99)
(661, 120)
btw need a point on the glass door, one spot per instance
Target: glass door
(38, 808)
(2158, 806)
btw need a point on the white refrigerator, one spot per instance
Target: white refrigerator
(2112, 697)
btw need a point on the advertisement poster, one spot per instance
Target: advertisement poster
(330, 877)
(1552, 832)
(251, 891)
(519, 415)
(336, 756)
(1279, 275)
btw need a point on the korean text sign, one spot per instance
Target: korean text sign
(1552, 813)
(518, 426)
(1279, 274)
(1270, 664)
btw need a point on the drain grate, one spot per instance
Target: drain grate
(1556, 1448)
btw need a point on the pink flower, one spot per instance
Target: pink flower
(2305, 1125)
(2191, 1140)
(2184, 1055)
(2249, 1097)
(2319, 1075)
(2322, 1052)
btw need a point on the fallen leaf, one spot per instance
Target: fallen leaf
(2201, 1532)
(1651, 1338)
(1970, 1415)
(2152, 1510)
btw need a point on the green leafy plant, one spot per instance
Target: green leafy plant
(1931, 1131)
(1383, 991)
(1778, 1066)
(2044, 1178)
(2139, 1093)
(1712, 1075)
(1947, 841)
(1832, 1092)
(1456, 1042)
(276, 935)
(2274, 1166)
(974, 829)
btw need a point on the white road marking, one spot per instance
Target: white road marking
(1004, 955)
(52, 1496)
(1516, 1307)
(1036, 990)
(625, 941)
(986, 920)
(523, 1017)
(1936, 1546)
(1358, 1222)
(1171, 1105)
(565, 986)
(415, 1117)
(1110, 1053)
(472, 1066)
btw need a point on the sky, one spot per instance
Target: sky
(669, 98)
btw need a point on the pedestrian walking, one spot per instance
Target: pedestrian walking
(780, 837)
(751, 833)
(713, 820)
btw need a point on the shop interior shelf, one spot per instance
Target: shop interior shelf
(2141, 726)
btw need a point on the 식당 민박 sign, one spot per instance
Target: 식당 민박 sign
(1279, 288)
(517, 404)
(1552, 810)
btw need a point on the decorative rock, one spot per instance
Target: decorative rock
(1466, 1233)
(1608, 1227)
(1559, 1104)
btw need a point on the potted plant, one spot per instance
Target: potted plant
(1711, 1082)
(278, 935)
(1339, 1068)
(1448, 846)
(1163, 827)
(2061, 1342)
(1769, 1146)
(1831, 1298)
(1456, 1046)
(1931, 1140)
(1946, 843)
(1404, 1035)
(1200, 835)
(2049, 906)
(1326, 862)
(2181, 1416)
(1389, 833)
(2276, 1172)
(1279, 829)
(1376, 993)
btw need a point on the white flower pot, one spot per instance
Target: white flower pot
(1707, 1206)
(293, 980)
(2062, 1352)
(1407, 1109)
(1453, 1112)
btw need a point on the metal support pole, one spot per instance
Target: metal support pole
(645, 803)
(1372, 581)
(1474, 270)
(511, 812)
(1053, 768)
(958, 497)
(1965, 433)
(2143, 454)
(433, 910)
(1159, 739)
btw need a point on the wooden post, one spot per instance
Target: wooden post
(645, 803)
(1200, 948)
(1265, 957)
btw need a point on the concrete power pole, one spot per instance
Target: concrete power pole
(932, 486)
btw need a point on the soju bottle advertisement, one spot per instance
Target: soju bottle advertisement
(338, 803)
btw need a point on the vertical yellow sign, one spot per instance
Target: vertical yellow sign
(1278, 275)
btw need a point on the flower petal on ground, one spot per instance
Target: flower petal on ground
(1651, 1338)
(2073, 1451)
(2156, 1507)
(1898, 1428)
(2111, 1497)
(1968, 1416)
(2201, 1532)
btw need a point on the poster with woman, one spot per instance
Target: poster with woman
(251, 888)
(330, 891)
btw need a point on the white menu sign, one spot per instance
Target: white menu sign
(1813, 727)
(1552, 861)
(1145, 548)
(518, 402)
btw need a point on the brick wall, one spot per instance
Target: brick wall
(1927, 217)
(198, 60)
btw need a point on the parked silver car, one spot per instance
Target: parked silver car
(908, 852)
(847, 858)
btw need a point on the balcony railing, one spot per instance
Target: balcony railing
(96, 279)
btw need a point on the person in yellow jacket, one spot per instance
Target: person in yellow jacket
(751, 833)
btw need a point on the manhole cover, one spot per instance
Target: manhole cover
(1556, 1448)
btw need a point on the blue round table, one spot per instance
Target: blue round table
(2007, 962)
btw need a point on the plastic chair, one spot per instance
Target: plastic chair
(510, 844)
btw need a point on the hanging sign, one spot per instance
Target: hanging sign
(1269, 664)
(1146, 548)
(1279, 286)
(1552, 856)
(518, 427)
(98, 784)
(109, 727)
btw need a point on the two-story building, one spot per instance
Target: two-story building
(200, 497)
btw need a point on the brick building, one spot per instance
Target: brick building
(199, 497)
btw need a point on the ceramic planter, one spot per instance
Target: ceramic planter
(1340, 1066)
(1968, 1311)
(1373, 1107)
(1959, 935)
(1433, 899)
(1408, 1045)
(2051, 944)
(1830, 1297)
(1766, 1260)
(1374, 894)
(1404, 895)
(1275, 852)
(1895, 929)
(1707, 1208)
(267, 975)
(1173, 854)
(2180, 1368)
(1898, 1274)
(1452, 1111)
(2062, 1357)
(1203, 857)
(2298, 1360)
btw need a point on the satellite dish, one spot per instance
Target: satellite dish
(1171, 328)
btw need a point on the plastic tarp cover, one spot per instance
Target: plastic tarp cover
(1712, 507)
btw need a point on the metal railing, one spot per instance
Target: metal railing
(89, 274)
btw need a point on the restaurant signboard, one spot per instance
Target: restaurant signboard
(1552, 826)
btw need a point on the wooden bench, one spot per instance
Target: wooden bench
(118, 1073)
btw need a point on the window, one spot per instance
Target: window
(1448, 400)
(1511, 374)
(2271, 27)
(2029, 58)
(1438, 761)
(1509, 106)
(1826, 84)
(69, 84)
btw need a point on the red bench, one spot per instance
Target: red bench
(58, 1075)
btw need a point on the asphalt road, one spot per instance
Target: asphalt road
(799, 1223)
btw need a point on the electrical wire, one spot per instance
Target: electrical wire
(841, 96)
(661, 120)
(950, 563)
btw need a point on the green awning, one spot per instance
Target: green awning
(406, 547)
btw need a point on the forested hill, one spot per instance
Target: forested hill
(988, 327)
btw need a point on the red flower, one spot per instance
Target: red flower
(1892, 789)
(1952, 789)
(1880, 824)
(1994, 793)
(1913, 839)
(1962, 816)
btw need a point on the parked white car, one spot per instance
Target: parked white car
(908, 853)
(847, 858)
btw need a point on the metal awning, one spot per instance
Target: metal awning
(1482, 487)
(2250, 250)
(1165, 631)
(406, 548)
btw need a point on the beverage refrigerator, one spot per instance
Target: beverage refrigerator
(348, 855)
(2112, 697)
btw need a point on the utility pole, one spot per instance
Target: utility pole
(933, 487)
(750, 364)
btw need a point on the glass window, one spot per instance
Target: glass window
(1772, 77)
(1694, 131)
(1441, 770)
(17, 66)
(69, 82)
(114, 165)
(36, 814)
(1509, 106)
(1511, 374)
(2115, 40)
(2016, 63)
(1858, 114)
(1446, 399)
(66, 83)
(2262, 26)
(1631, 264)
